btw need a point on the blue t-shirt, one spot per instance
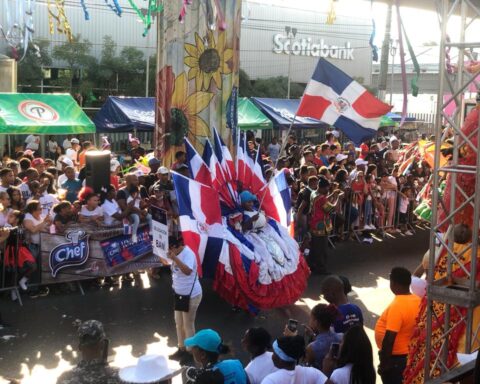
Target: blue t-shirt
(351, 315)
(321, 346)
(232, 371)
(72, 187)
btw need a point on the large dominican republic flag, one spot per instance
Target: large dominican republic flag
(276, 199)
(336, 99)
(200, 221)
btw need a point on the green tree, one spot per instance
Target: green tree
(76, 55)
(276, 87)
(131, 71)
(245, 85)
(30, 72)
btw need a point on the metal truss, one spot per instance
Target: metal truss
(452, 294)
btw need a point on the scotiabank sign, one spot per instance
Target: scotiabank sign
(306, 47)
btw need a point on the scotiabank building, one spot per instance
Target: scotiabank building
(276, 41)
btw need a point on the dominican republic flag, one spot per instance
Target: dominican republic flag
(200, 221)
(336, 99)
(198, 169)
(258, 177)
(218, 180)
(276, 199)
(224, 157)
(244, 163)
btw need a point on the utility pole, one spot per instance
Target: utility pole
(147, 69)
(382, 83)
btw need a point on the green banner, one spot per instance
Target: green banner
(250, 117)
(42, 114)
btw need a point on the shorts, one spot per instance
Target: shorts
(403, 218)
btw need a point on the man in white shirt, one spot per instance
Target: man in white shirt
(257, 341)
(52, 146)
(360, 166)
(274, 150)
(72, 153)
(64, 162)
(7, 178)
(66, 143)
(32, 142)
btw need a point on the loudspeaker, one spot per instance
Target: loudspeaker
(8, 75)
(97, 170)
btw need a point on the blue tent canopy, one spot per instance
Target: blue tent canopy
(282, 111)
(126, 114)
(397, 117)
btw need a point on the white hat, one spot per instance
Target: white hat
(361, 162)
(393, 138)
(75, 141)
(341, 157)
(163, 170)
(149, 369)
(418, 286)
(114, 164)
(67, 161)
(336, 134)
(138, 173)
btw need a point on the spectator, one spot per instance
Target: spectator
(31, 175)
(67, 143)
(355, 361)
(72, 152)
(206, 347)
(112, 214)
(136, 151)
(303, 205)
(274, 150)
(333, 290)
(91, 212)
(322, 318)
(325, 154)
(4, 208)
(39, 164)
(93, 368)
(395, 327)
(86, 146)
(16, 201)
(186, 286)
(71, 184)
(287, 352)
(32, 142)
(15, 166)
(180, 159)
(25, 164)
(257, 342)
(63, 216)
(52, 146)
(7, 179)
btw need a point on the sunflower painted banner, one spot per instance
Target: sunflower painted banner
(198, 75)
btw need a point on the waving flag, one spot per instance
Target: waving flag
(200, 221)
(217, 175)
(336, 99)
(258, 177)
(224, 157)
(198, 168)
(245, 163)
(276, 199)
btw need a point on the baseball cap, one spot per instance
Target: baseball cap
(336, 134)
(206, 339)
(37, 161)
(91, 332)
(163, 170)
(67, 161)
(361, 162)
(75, 141)
(114, 164)
(340, 157)
(247, 196)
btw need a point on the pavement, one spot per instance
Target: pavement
(41, 342)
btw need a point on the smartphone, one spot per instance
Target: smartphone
(334, 349)
(292, 325)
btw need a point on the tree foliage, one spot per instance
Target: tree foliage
(30, 68)
(276, 87)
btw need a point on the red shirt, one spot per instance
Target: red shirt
(364, 149)
(320, 222)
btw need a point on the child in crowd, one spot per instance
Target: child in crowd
(63, 216)
(4, 207)
(404, 197)
(16, 201)
(91, 212)
(136, 201)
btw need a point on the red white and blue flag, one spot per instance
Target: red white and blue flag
(336, 99)
(224, 157)
(200, 221)
(276, 199)
(198, 169)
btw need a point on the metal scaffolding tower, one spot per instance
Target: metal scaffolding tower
(446, 291)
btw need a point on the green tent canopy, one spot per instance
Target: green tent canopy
(42, 114)
(250, 117)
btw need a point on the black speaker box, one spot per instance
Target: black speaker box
(97, 172)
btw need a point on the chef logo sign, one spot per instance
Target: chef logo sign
(38, 111)
(70, 254)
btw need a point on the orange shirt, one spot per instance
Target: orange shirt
(81, 158)
(400, 317)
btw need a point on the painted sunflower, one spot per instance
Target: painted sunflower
(184, 110)
(207, 62)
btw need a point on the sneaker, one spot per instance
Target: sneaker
(23, 283)
(409, 233)
(178, 354)
(396, 230)
(134, 238)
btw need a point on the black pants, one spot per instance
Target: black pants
(317, 259)
(395, 374)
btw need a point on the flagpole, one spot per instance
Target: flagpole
(284, 144)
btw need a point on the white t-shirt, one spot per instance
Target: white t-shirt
(33, 237)
(52, 145)
(260, 367)
(109, 209)
(403, 206)
(66, 144)
(96, 212)
(3, 189)
(32, 142)
(137, 201)
(25, 190)
(274, 151)
(181, 283)
(301, 375)
(3, 217)
(342, 375)
(71, 154)
(62, 178)
(47, 201)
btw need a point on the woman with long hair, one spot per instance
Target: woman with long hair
(355, 360)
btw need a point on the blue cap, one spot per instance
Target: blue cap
(206, 339)
(247, 196)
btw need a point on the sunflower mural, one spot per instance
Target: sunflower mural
(198, 75)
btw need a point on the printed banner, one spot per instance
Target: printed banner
(81, 254)
(159, 231)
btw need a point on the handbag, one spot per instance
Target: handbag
(182, 302)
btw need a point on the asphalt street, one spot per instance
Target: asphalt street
(41, 342)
